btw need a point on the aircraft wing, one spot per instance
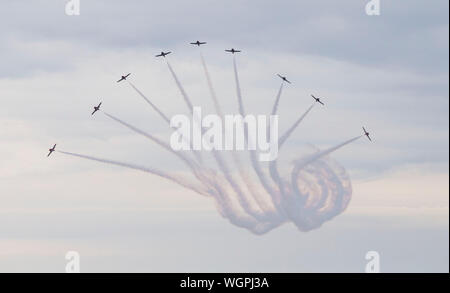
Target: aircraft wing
(321, 103)
(369, 137)
(49, 153)
(120, 80)
(93, 112)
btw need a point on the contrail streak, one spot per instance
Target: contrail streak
(273, 165)
(222, 164)
(159, 173)
(211, 88)
(151, 137)
(163, 116)
(277, 100)
(254, 161)
(238, 89)
(180, 87)
(285, 136)
(188, 103)
(318, 155)
(192, 165)
(275, 106)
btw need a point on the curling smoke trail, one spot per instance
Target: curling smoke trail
(300, 164)
(159, 173)
(327, 196)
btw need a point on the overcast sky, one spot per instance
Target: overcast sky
(387, 72)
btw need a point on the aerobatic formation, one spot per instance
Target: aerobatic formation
(251, 194)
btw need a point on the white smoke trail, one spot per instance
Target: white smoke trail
(188, 102)
(201, 176)
(275, 107)
(156, 172)
(285, 136)
(243, 199)
(257, 168)
(154, 139)
(234, 216)
(222, 164)
(238, 88)
(273, 165)
(163, 116)
(277, 100)
(219, 160)
(305, 161)
(180, 87)
(211, 88)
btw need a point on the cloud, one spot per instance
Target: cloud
(408, 34)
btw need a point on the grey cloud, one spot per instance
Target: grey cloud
(408, 33)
